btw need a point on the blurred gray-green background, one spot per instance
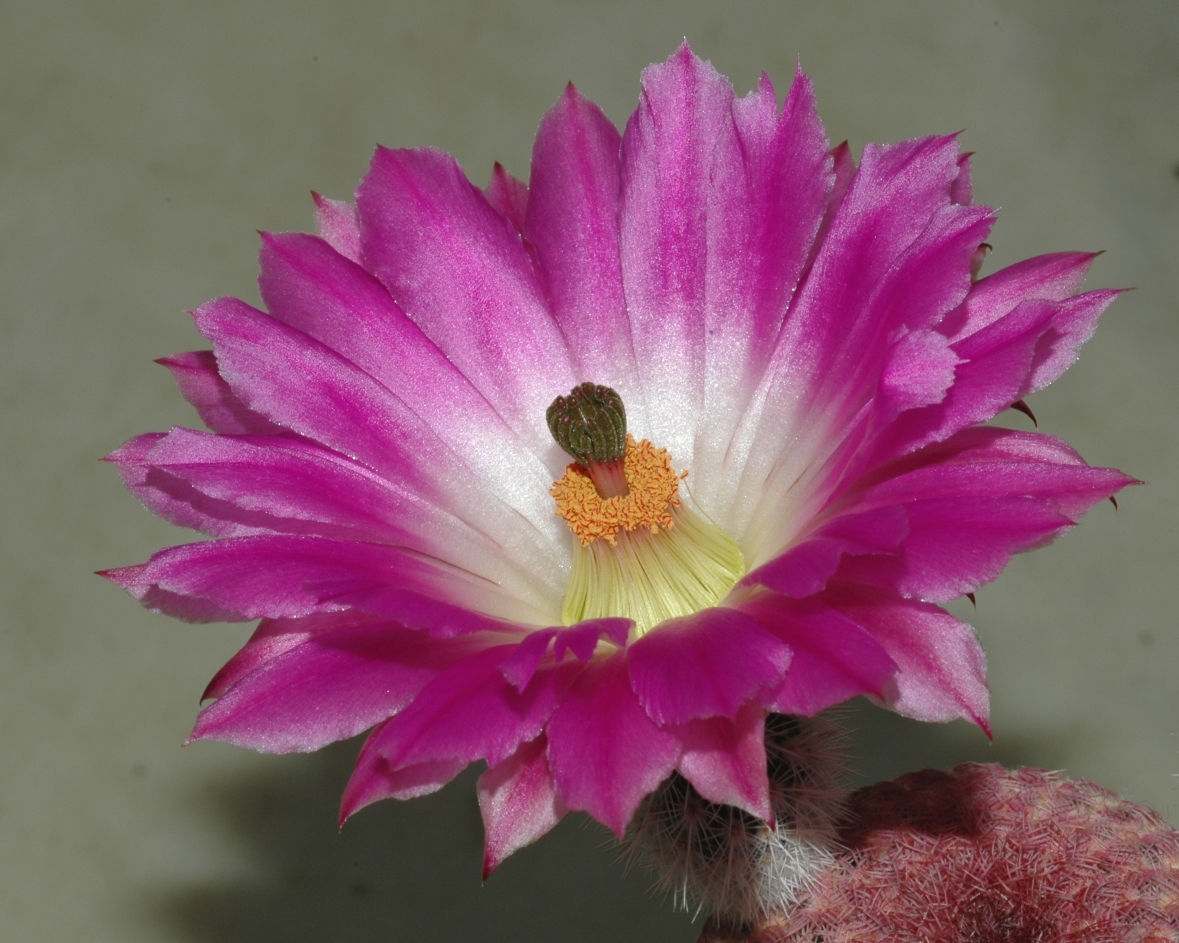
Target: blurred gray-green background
(142, 144)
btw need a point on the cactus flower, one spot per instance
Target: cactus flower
(582, 478)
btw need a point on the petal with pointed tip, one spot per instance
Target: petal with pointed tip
(507, 196)
(271, 639)
(206, 391)
(337, 224)
(580, 640)
(459, 269)
(805, 568)
(605, 752)
(572, 221)
(313, 390)
(242, 578)
(518, 801)
(768, 189)
(961, 190)
(726, 760)
(941, 666)
(375, 780)
(973, 501)
(1051, 277)
(330, 687)
(667, 151)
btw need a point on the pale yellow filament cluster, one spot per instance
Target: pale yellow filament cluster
(645, 555)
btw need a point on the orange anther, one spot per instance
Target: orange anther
(654, 490)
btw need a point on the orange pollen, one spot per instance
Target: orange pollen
(654, 491)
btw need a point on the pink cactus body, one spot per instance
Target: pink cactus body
(802, 338)
(983, 855)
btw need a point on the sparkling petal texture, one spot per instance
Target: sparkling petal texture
(807, 338)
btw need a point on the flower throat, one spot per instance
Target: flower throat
(641, 552)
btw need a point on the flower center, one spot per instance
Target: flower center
(641, 552)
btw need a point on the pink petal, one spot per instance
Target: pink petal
(308, 387)
(521, 663)
(337, 224)
(244, 578)
(991, 462)
(667, 152)
(460, 271)
(805, 568)
(412, 608)
(844, 170)
(508, 196)
(956, 545)
(897, 256)
(993, 375)
(605, 753)
(897, 253)
(1074, 323)
(1042, 278)
(978, 260)
(834, 658)
(374, 779)
(469, 712)
(238, 485)
(704, 665)
(272, 638)
(918, 371)
(573, 223)
(942, 668)
(581, 640)
(330, 687)
(163, 496)
(518, 801)
(768, 189)
(932, 277)
(1060, 328)
(961, 190)
(972, 502)
(726, 760)
(218, 406)
(310, 287)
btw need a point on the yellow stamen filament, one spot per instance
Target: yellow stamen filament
(643, 555)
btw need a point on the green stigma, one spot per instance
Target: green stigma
(589, 424)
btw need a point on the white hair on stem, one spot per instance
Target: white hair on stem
(722, 859)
